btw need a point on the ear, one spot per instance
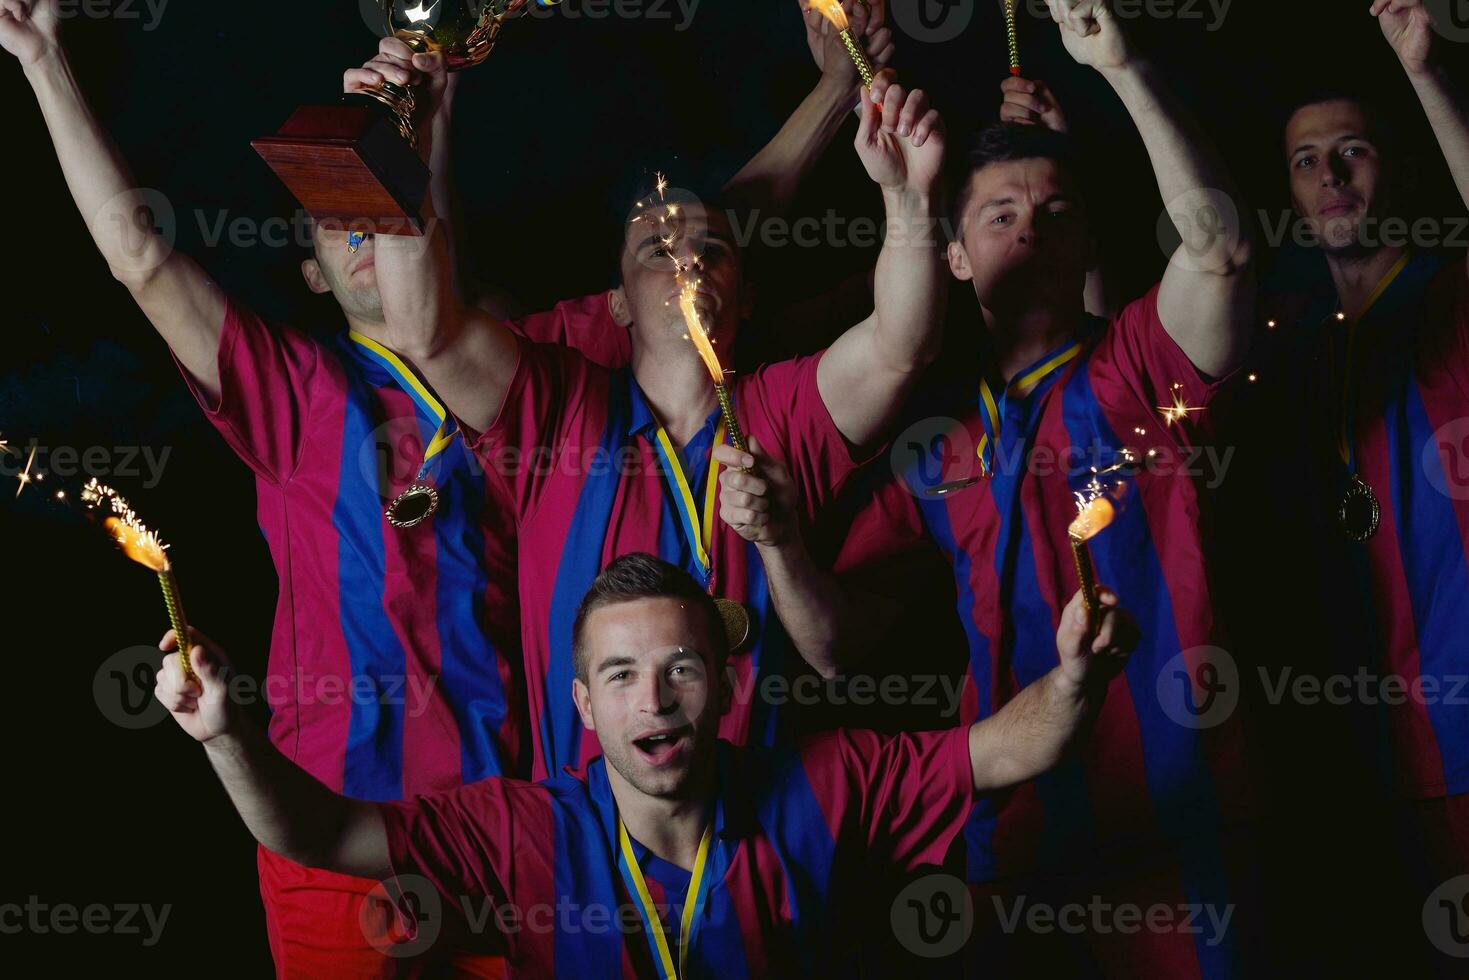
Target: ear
(959, 262)
(315, 281)
(617, 306)
(582, 695)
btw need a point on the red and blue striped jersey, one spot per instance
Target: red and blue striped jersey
(799, 833)
(394, 664)
(1400, 604)
(1151, 769)
(577, 459)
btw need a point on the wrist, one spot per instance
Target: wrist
(905, 202)
(49, 65)
(837, 94)
(1069, 688)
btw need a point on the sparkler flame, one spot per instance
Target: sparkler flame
(134, 537)
(1093, 517)
(832, 11)
(688, 293)
(1180, 408)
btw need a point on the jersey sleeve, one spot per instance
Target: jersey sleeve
(783, 407)
(585, 325)
(902, 798)
(266, 377)
(540, 421)
(463, 841)
(1138, 370)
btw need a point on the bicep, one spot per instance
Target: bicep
(187, 309)
(361, 847)
(1209, 316)
(861, 391)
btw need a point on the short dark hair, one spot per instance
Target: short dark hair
(644, 576)
(1002, 143)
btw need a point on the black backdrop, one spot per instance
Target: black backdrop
(563, 112)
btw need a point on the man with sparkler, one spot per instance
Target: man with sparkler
(1071, 409)
(593, 463)
(674, 853)
(1364, 361)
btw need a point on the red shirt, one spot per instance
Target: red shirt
(574, 454)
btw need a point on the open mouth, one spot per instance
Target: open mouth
(661, 748)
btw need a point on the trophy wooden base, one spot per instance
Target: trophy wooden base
(348, 165)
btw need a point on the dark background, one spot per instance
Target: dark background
(562, 115)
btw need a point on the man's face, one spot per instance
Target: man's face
(350, 277)
(703, 240)
(1024, 234)
(1335, 173)
(652, 694)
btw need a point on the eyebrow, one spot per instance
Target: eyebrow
(1347, 138)
(627, 660)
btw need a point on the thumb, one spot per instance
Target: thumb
(1071, 634)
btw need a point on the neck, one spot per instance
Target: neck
(373, 329)
(678, 389)
(1358, 276)
(670, 828)
(1021, 337)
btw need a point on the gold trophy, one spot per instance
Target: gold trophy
(356, 166)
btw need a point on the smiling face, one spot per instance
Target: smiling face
(348, 276)
(704, 239)
(653, 691)
(1336, 173)
(1023, 234)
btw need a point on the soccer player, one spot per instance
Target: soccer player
(674, 853)
(593, 463)
(1067, 405)
(1369, 372)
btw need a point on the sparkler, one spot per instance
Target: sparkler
(832, 11)
(143, 546)
(1093, 515)
(688, 296)
(1012, 37)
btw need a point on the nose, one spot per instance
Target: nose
(1336, 173)
(654, 696)
(1027, 233)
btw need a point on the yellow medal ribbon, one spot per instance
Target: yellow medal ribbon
(415, 389)
(1023, 385)
(1344, 446)
(693, 901)
(698, 526)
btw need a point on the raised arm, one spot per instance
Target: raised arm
(866, 375)
(467, 356)
(183, 304)
(1032, 733)
(768, 183)
(1408, 27)
(287, 811)
(1207, 298)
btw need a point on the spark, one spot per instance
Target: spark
(25, 475)
(135, 538)
(1179, 410)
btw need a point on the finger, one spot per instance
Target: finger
(740, 517)
(878, 40)
(1106, 596)
(926, 127)
(881, 82)
(360, 79)
(881, 59)
(1027, 102)
(856, 17)
(869, 119)
(169, 641)
(732, 459)
(1016, 83)
(877, 16)
(914, 109)
(396, 49)
(748, 501)
(892, 107)
(430, 64)
(740, 482)
(172, 669)
(1106, 631)
(1072, 631)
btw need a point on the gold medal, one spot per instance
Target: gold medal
(1359, 512)
(413, 506)
(736, 622)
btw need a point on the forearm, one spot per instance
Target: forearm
(292, 814)
(1031, 734)
(1189, 172)
(444, 196)
(817, 613)
(909, 286)
(769, 182)
(1449, 119)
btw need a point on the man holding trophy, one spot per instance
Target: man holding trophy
(391, 578)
